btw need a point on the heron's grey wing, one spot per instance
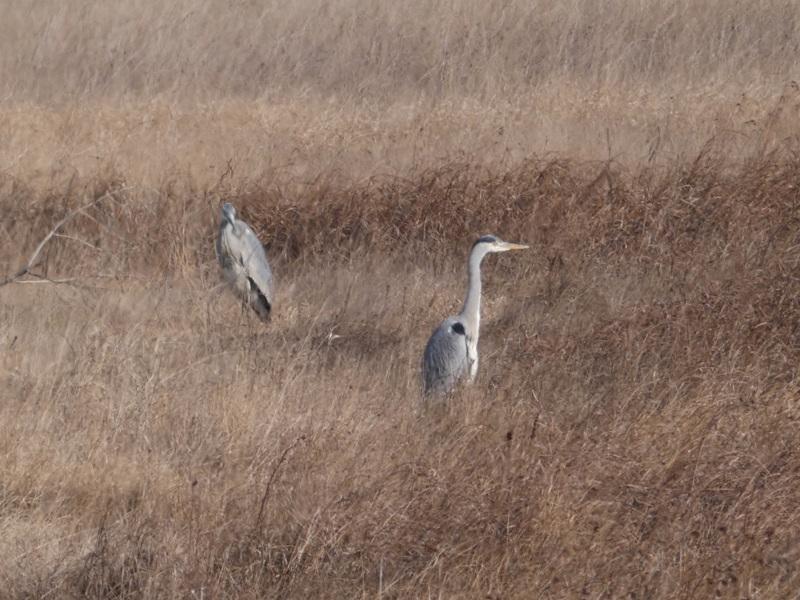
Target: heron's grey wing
(255, 261)
(445, 360)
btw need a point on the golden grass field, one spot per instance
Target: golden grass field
(633, 430)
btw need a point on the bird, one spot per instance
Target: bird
(451, 354)
(244, 262)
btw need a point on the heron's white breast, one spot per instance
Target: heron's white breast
(472, 356)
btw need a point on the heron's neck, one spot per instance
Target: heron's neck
(471, 312)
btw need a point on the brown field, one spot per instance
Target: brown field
(633, 431)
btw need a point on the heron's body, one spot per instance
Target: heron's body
(449, 357)
(451, 354)
(244, 262)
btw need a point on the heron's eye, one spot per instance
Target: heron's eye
(458, 328)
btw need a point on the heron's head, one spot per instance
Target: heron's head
(492, 243)
(228, 213)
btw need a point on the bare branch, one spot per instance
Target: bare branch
(73, 238)
(26, 268)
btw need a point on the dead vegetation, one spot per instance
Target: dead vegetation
(633, 429)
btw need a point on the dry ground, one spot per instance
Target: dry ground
(633, 432)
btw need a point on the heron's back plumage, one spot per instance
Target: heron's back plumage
(245, 265)
(446, 359)
(256, 263)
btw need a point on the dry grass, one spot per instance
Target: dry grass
(356, 49)
(633, 430)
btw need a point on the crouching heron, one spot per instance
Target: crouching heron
(452, 350)
(244, 262)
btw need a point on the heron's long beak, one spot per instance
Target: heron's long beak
(512, 246)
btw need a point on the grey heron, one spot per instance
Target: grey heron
(452, 350)
(244, 262)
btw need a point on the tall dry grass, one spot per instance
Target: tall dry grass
(633, 429)
(357, 49)
(159, 90)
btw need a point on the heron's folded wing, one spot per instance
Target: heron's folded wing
(445, 358)
(255, 261)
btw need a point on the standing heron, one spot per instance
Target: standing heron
(244, 262)
(452, 350)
